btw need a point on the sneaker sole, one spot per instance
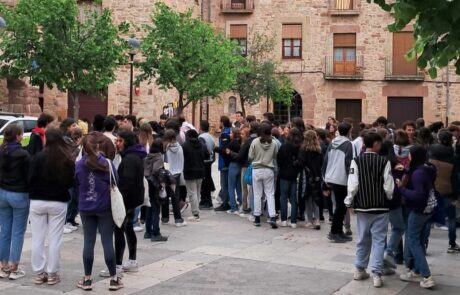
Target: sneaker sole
(131, 270)
(85, 288)
(115, 288)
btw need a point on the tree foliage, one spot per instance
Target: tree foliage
(184, 53)
(259, 77)
(436, 30)
(47, 42)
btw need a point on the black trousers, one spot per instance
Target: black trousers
(340, 193)
(120, 241)
(207, 186)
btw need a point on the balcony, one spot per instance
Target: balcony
(237, 6)
(404, 72)
(344, 7)
(344, 70)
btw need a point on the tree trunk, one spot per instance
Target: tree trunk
(242, 106)
(180, 105)
(76, 104)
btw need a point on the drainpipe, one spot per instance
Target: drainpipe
(447, 95)
(209, 10)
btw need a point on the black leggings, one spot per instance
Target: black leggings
(91, 223)
(120, 242)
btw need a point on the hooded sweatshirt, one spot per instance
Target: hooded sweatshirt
(195, 153)
(337, 161)
(443, 158)
(419, 188)
(175, 158)
(14, 167)
(263, 155)
(152, 164)
(131, 175)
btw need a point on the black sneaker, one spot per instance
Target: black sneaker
(345, 237)
(453, 249)
(74, 223)
(247, 211)
(223, 208)
(85, 284)
(159, 238)
(256, 220)
(335, 238)
(147, 235)
(115, 284)
(348, 232)
(206, 207)
(164, 220)
(273, 223)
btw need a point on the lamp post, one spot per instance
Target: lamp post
(134, 48)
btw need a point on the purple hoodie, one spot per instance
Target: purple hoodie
(93, 186)
(418, 190)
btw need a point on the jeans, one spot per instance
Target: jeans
(234, 184)
(224, 186)
(451, 213)
(152, 223)
(414, 251)
(72, 206)
(92, 223)
(263, 183)
(47, 218)
(372, 231)
(288, 190)
(207, 186)
(175, 200)
(14, 210)
(137, 211)
(193, 192)
(120, 241)
(311, 208)
(244, 189)
(397, 231)
(340, 192)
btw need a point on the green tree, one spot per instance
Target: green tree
(436, 30)
(47, 42)
(259, 77)
(184, 53)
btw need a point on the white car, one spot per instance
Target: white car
(26, 122)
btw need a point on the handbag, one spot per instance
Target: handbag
(247, 179)
(431, 203)
(146, 194)
(116, 200)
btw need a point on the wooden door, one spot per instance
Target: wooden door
(401, 109)
(344, 54)
(402, 43)
(349, 108)
(89, 106)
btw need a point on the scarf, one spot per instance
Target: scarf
(40, 131)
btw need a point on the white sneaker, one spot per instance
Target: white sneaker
(194, 218)
(71, 227)
(251, 218)
(283, 224)
(67, 230)
(19, 273)
(106, 274)
(309, 225)
(138, 227)
(425, 283)
(410, 277)
(243, 215)
(293, 225)
(181, 224)
(131, 266)
(233, 212)
(360, 275)
(377, 281)
(441, 227)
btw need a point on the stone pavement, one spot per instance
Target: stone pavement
(226, 254)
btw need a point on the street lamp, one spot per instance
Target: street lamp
(134, 48)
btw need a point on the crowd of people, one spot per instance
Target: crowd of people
(408, 179)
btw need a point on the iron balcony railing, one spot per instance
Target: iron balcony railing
(403, 73)
(237, 6)
(351, 69)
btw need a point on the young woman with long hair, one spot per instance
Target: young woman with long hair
(312, 162)
(93, 174)
(146, 136)
(234, 172)
(14, 201)
(51, 175)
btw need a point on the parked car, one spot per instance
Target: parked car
(26, 122)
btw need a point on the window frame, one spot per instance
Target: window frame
(238, 42)
(291, 48)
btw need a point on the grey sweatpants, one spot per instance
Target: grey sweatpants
(263, 183)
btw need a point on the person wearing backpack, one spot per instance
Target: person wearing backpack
(416, 188)
(153, 164)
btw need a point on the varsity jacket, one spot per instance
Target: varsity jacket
(370, 184)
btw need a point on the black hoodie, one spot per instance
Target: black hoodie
(288, 161)
(195, 153)
(14, 168)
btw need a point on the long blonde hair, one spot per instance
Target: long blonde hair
(311, 142)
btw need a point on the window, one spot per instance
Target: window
(345, 54)
(232, 104)
(402, 43)
(29, 125)
(292, 41)
(283, 113)
(343, 4)
(238, 4)
(239, 35)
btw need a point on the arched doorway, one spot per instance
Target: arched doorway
(283, 113)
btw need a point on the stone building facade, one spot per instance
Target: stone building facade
(346, 68)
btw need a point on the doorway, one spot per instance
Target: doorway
(401, 109)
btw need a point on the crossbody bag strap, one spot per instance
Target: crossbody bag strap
(111, 174)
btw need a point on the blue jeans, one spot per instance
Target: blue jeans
(414, 248)
(372, 231)
(288, 189)
(451, 221)
(14, 210)
(397, 231)
(137, 211)
(72, 206)
(224, 186)
(152, 221)
(234, 183)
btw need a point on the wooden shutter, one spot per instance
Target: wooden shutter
(344, 4)
(345, 40)
(292, 31)
(238, 31)
(402, 43)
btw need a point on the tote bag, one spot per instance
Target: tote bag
(247, 179)
(116, 199)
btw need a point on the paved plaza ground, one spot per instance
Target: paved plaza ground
(226, 254)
